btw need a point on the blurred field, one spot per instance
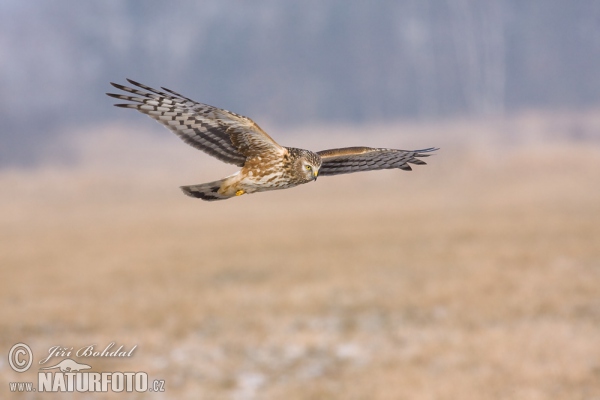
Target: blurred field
(475, 277)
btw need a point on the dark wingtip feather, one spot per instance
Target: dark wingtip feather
(419, 153)
(134, 82)
(116, 96)
(124, 88)
(174, 93)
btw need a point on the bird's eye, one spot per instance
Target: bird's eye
(308, 167)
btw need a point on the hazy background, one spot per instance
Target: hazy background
(476, 276)
(293, 62)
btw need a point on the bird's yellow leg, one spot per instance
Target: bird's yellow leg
(240, 192)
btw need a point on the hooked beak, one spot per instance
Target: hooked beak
(316, 174)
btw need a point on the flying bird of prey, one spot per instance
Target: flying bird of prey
(235, 139)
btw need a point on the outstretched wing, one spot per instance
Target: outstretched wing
(355, 159)
(225, 135)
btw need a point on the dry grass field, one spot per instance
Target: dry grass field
(474, 277)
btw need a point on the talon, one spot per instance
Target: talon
(240, 192)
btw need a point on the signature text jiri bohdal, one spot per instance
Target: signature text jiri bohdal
(91, 350)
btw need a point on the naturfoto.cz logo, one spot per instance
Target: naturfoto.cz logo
(72, 376)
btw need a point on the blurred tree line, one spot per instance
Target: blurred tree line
(293, 62)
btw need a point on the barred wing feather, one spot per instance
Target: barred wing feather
(355, 159)
(228, 136)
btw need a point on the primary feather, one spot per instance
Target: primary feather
(355, 159)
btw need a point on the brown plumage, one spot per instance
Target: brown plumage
(235, 139)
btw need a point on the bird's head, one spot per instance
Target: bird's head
(308, 165)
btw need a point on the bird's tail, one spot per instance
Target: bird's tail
(206, 191)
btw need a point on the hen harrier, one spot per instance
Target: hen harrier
(238, 140)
